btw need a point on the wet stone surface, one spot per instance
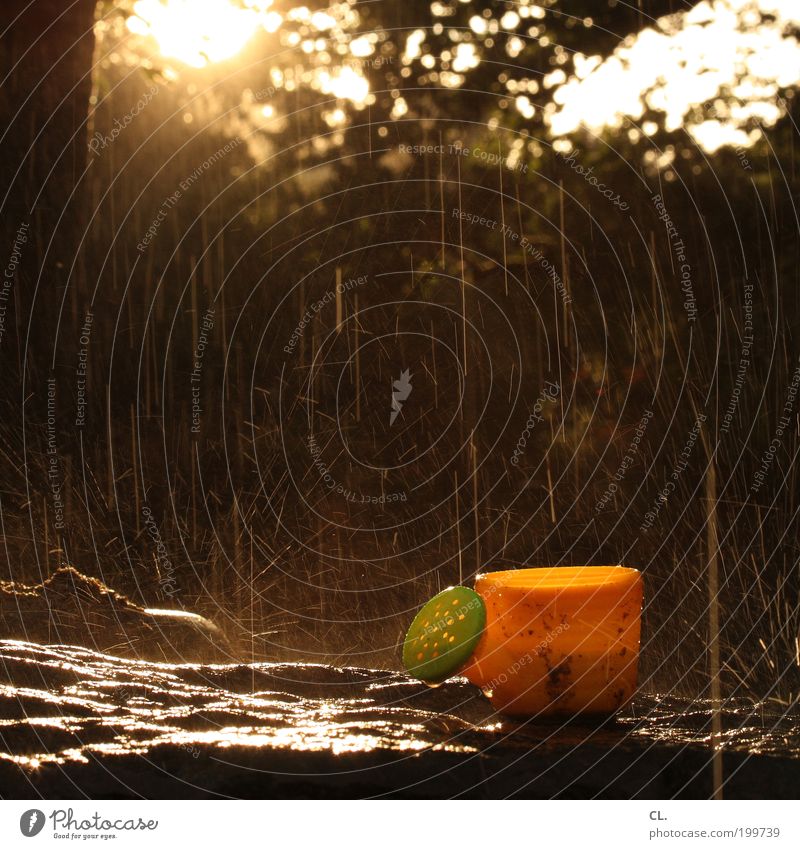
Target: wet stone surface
(75, 723)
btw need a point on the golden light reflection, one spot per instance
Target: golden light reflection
(121, 707)
(734, 54)
(81, 706)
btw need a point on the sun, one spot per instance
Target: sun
(196, 32)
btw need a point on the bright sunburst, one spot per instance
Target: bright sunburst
(196, 32)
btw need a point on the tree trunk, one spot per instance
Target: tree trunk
(45, 85)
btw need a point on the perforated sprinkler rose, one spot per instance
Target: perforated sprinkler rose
(548, 641)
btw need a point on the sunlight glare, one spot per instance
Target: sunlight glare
(345, 84)
(196, 32)
(743, 50)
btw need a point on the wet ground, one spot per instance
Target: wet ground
(76, 723)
